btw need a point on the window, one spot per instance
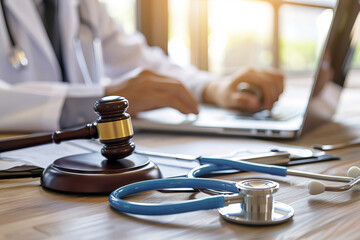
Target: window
(123, 11)
(179, 32)
(240, 33)
(224, 35)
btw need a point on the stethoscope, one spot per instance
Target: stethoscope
(18, 59)
(17, 56)
(247, 202)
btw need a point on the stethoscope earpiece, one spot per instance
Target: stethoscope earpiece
(353, 172)
(317, 187)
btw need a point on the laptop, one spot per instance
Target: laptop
(297, 111)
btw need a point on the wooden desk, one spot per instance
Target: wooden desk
(27, 211)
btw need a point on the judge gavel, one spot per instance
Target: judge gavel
(91, 172)
(113, 128)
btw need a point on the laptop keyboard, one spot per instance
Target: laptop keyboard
(277, 114)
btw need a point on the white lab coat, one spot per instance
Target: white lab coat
(31, 99)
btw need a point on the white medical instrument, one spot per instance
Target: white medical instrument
(211, 164)
(18, 59)
(316, 187)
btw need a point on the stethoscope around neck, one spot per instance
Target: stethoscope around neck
(18, 58)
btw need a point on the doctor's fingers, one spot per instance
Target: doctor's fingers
(276, 78)
(152, 84)
(177, 91)
(269, 81)
(245, 102)
(270, 90)
(158, 82)
(160, 99)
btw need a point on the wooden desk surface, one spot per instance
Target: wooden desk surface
(27, 211)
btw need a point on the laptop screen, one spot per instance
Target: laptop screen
(334, 64)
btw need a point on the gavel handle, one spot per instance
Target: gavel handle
(87, 132)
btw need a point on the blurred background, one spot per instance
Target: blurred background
(224, 35)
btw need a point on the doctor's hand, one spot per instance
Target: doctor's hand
(149, 90)
(225, 92)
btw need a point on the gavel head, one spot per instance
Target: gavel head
(114, 127)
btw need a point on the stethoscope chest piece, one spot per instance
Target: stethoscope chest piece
(18, 58)
(257, 206)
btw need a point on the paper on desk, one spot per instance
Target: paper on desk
(9, 164)
(44, 155)
(41, 156)
(210, 146)
(206, 146)
(192, 147)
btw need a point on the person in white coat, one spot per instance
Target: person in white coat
(51, 90)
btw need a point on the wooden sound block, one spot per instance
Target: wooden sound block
(93, 173)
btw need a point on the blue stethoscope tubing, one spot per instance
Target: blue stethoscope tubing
(212, 202)
(193, 181)
(208, 165)
(225, 164)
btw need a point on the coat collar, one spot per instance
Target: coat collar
(69, 27)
